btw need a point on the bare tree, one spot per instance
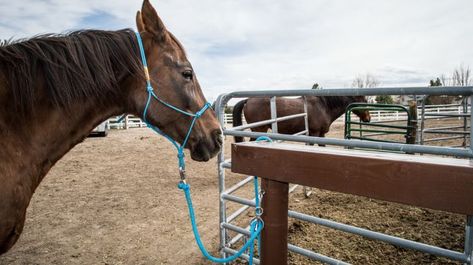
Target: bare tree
(446, 81)
(366, 81)
(461, 76)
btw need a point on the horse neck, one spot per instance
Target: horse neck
(38, 141)
(339, 110)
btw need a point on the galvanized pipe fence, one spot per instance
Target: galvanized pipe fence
(447, 133)
(386, 116)
(227, 219)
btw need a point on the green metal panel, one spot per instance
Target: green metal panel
(365, 130)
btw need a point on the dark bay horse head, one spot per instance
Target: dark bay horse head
(363, 114)
(175, 82)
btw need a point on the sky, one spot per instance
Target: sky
(262, 44)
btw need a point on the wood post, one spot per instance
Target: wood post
(412, 132)
(274, 235)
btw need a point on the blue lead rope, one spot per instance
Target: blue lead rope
(256, 224)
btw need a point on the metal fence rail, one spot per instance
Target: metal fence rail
(225, 192)
(407, 130)
(462, 113)
(389, 116)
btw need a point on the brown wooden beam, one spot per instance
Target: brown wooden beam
(432, 182)
(274, 235)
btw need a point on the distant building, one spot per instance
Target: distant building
(404, 99)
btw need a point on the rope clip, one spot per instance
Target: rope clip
(182, 173)
(258, 212)
(258, 220)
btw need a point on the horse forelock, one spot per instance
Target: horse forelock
(71, 67)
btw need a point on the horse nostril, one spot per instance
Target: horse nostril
(217, 135)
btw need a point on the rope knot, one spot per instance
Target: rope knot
(199, 113)
(149, 88)
(183, 186)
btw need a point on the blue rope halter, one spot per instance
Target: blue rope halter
(256, 224)
(151, 94)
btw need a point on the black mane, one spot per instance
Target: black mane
(334, 102)
(73, 66)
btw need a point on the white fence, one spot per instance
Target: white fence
(127, 122)
(376, 115)
(381, 115)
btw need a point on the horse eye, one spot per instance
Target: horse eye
(187, 74)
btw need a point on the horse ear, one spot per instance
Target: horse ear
(139, 22)
(151, 21)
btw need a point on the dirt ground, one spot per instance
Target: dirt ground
(114, 200)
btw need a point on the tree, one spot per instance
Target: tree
(228, 109)
(367, 81)
(316, 86)
(442, 99)
(370, 81)
(446, 81)
(384, 99)
(461, 76)
(437, 82)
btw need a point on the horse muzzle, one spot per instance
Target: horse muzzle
(204, 148)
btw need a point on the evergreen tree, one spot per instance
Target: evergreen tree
(384, 99)
(437, 82)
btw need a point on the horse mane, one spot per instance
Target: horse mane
(334, 102)
(71, 67)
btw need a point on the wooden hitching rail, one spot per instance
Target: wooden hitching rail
(432, 182)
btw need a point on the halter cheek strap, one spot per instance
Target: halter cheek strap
(151, 94)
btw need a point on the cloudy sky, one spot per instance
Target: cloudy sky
(263, 44)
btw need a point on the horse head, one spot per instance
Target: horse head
(174, 82)
(363, 114)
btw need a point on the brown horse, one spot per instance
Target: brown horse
(322, 111)
(55, 89)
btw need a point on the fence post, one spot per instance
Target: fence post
(465, 119)
(412, 121)
(274, 235)
(274, 115)
(469, 238)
